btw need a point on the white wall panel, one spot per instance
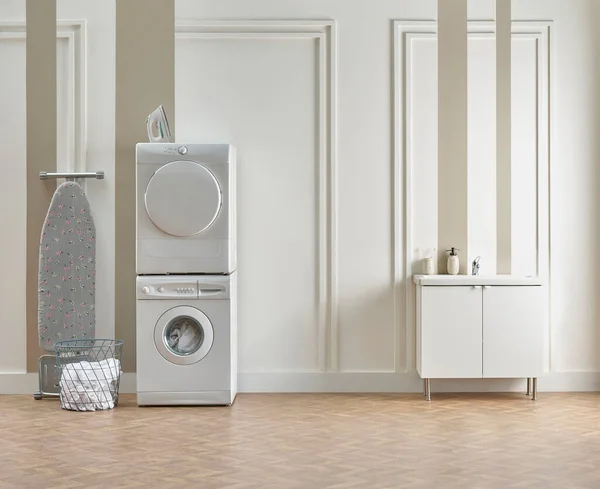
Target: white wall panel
(421, 90)
(65, 105)
(262, 96)
(370, 335)
(524, 174)
(369, 330)
(13, 201)
(71, 152)
(481, 201)
(416, 92)
(422, 146)
(88, 124)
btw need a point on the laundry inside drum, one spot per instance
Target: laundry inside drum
(184, 335)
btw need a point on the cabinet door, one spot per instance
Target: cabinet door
(513, 331)
(451, 319)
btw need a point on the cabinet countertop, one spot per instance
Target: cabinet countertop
(459, 280)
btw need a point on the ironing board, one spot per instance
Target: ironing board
(66, 280)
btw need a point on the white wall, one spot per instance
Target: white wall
(97, 145)
(362, 335)
(322, 252)
(371, 333)
(13, 349)
(85, 107)
(573, 205)
(527, 194)
(575, 208)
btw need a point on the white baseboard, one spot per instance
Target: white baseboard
(408, 383)
(18, 383)
(353, 382)
(571, 382)
(128, 384)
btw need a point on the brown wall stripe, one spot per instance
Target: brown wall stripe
(145, 78)
(503, 137)
(41, 147)
(452, 130)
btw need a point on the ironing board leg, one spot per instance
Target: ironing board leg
(37, 395)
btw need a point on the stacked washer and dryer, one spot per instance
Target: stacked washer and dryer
(186, 295)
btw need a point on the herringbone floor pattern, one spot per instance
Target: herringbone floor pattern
(307, 442)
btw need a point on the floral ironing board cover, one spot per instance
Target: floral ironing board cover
(67, 269)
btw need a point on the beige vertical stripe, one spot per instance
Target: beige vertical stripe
(145, 78)
(41, 147)
(452, 130)
(503, 136)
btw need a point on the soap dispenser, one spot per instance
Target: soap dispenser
(453, 263)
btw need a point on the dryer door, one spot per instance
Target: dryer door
(183, 335)
(183, 198)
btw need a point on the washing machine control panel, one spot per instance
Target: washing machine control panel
(169, 290)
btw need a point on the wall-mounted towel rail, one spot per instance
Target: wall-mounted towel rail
(44, 175)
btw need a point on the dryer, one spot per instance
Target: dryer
(185, 208)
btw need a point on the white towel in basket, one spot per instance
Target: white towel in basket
(89, 386)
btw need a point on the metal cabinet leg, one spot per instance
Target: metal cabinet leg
(428, 389)
(534, 393)
(424, 387)
(528, 386)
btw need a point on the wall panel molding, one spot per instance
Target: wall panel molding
(405, 34)
(70, 125)
(324, 32)
(13, 350)
(71, 137)
(74, 132)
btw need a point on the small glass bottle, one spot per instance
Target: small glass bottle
(429, 264)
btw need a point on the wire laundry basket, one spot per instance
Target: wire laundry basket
(89, 372)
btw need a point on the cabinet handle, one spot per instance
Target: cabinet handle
(477, 286)
(486, 286)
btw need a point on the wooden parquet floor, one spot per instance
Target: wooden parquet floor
(307, 442)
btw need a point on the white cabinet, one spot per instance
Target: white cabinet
(479, 328)
(513, 332)
(451, 347)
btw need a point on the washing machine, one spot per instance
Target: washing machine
(185, 208)
(186, 340)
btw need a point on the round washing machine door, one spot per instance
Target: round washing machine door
(183, 198)
(183, 335)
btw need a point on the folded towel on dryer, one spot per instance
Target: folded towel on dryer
(89, 386)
